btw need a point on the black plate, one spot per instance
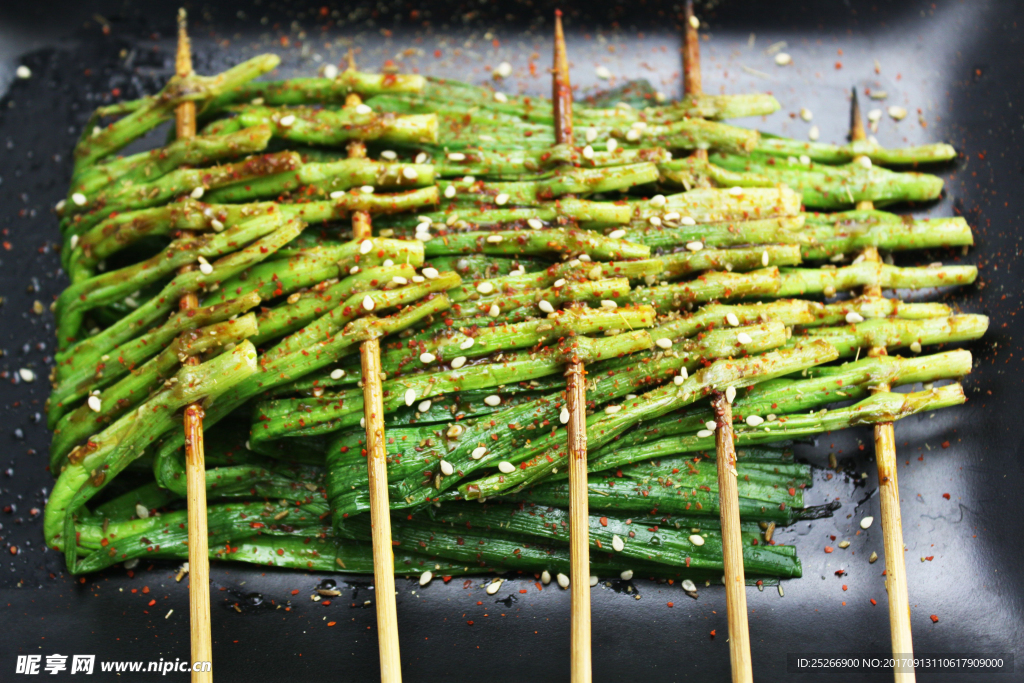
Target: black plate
(956, 66)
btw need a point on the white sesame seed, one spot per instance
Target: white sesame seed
(389, 154)
(609, 304)
(365, 247)
(654, 220)
(602, 72)
(446, 467)
(916, 347)
(368, 303)
(493, 400)
(330, 72)
(418, 279)
(866, 522)
(449, 191)
(366, 189)
(399, 280)
(545, 577)
(711, 425)
(611, 145)
(26, 375)
(764, 258)
(546, 306)
(337, 194)
(694, 246)
(562, 579)
(468, 344)
(626, 575)
(671, 217)
(560, 282)
(611, 410)
(593, 581)
(618, 545)
(897, 113)
(363, 109)
(755, 420)
(501, 199)
(584, 257)
(704, 433)
(805, 160)
(504, 70)
(678, 380)
(337, 374)
(478, 452)
(806, 114)
(813, 134)
(410, 396)
(632, 135)
(505, 467)
(591, 134)
(743, 338)
(495, 239)
(874, 115)
(687, 220)
(535, 223)
(658, 200)
(424, 406)
(563, 417)
(23, 71)
(78, 198)
(697, 539)
(854, 317)
(469, 179)
(287, 120)
(216, 225)
(59, 206)
(430, 273)
(141, 511)
(494, 586)
(204, 266)
(95, 404)
(362, 422)
(410, 173)
(485, 287)
(458, 362)
(864, 161)
(783, 59)
(617, 234)
(730, 394)
(732, 319)
(421, 158)
(427, 357)
(426, 577)
(588, 152)
(500, 97)
(493, 311)
(664, 343)
(694, 21)
(456, 156)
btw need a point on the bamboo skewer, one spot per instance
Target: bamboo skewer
(888, 485)
(576, 397)
(376, 463)
(728, 488)
(195, 458)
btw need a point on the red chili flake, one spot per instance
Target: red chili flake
(295, 591)
(792, 491)
(280, 551)
(522, 590)
(839, 65)
(604, 521)
(331, 623)
(945, 444)
(946, 496)
(712, 633)
(930, 558)
(671, 604)
(873, 601)
(152, 602)
(145, 589)
(935, 618)
(844, 586)
(828, 549)
(470, 622)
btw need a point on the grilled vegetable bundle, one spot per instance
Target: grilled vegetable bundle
(501, 257)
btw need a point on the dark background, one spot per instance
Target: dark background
(956, 66)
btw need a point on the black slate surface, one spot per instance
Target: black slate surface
(955, 65)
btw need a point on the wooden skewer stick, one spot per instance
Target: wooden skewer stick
(376, 463)
(728, 489)
(195, 458)
(576, 396)
(888, 486)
